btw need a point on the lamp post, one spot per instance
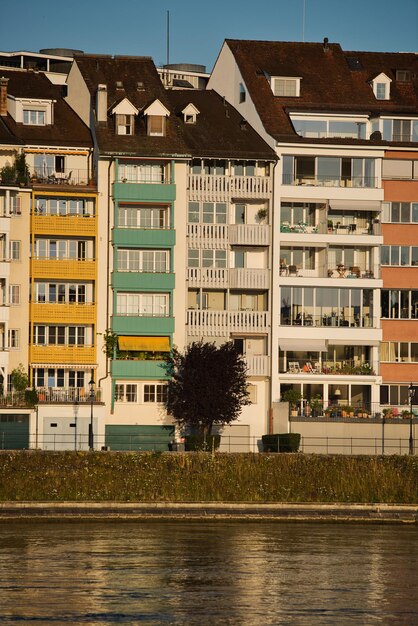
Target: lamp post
(91, 436)
(411, 394)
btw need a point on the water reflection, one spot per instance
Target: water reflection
(208, 573)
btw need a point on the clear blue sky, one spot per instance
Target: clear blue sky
(198, 29)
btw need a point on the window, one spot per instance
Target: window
(381, 91)
(15, 205)
(286, 87)
(142, 173)
(48, 164)
(72, 293)
(398, 352)
(242, 93)
(124, 124)
(399, 129)
(14, 338)
(399, 304)
(155, 393)
(126, 392)
(143, 217)
(318, 128)
(14, 294)
(59, 335)
(62, 249)
(62, 206)
(15, 250)
(328, 171)
(156, 125)
(395, 395)
(403, 76)
(214, 213)
(252, 391)
(142, 304)
(213, 258)
(399, 255)
(401, 212)
(133, 260)
(34, 117)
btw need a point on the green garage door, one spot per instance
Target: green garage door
(139, 437)
(14, 431)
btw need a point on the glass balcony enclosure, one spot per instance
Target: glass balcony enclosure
(329, 171)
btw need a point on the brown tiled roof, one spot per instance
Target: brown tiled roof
(328, 82)
(67, 130)
(217, 132)
(220, 130)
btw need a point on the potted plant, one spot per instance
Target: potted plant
(387, 413)
(405, 414)
(293, 397)
(316, 405)
(330, 226)
(262, 214)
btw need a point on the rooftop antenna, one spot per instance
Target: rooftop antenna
(168, 37)
(303, 20)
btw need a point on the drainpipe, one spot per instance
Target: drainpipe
(107, 264)
(272, 281)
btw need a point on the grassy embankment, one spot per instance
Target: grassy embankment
(152, 477)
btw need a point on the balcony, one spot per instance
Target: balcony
(258, 365)
(150, 237)
(66, 178)
(212, 187)
(249, 234)
(4, 313)
(4, 225)
(352, 272)
(147, 325)
(143, 280)
(357, 182)
(138, 369)
(326, 367)
(243, 278)
(71, 395)
(64, 268)
(222, 323)
(144, 191)
(4, 268)
(74, 355)
(207, 276)
(352, 227)
(66, 313)
(330, 320)
(217, 234)
(64, 225)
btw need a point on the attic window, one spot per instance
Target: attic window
(125, 124)
(140, 85)
(189, 118)
(156, 125)
(381, 87)
(242, 93)
(119, 84)
(403, 76)
(286, 87)
(34, 117)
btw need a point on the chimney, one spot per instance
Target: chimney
(101, 103)
(3, 95)
(325, 44)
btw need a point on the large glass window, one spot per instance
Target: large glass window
(143, 217)
(134, 260)
(142, 304)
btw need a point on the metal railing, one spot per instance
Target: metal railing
(332, 181)
(327, 367)
(354, 445)
(333, 320)
(49, 176)
(345, 228)
(331, 271)
(48, 395)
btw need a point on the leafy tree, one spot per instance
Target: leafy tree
(208, 386)
(20, 380)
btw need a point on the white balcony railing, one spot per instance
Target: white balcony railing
(249, 234)
(243, 278)
(216, 235)
(207, 276)
(222, 323)
(212, 187)
(258, 365)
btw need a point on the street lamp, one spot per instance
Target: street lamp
(411, 394)
(91, 436)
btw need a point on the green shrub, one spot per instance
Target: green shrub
(199, 443)
(285, 442)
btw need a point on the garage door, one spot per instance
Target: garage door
(139, 437)
(14, 431)
(235, 438)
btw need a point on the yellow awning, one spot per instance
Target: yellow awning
(151, 344)
(56, 151)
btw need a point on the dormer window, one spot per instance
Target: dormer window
(34, 117)
(190, 114)
(124, 113)
(403, 76)
(285, 86)
(381, 87)
(125, 124)
(156, 115)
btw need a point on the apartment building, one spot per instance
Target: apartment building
(340, 123)
(185, 191)
(52, 245)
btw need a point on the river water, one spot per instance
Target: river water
(208, 573)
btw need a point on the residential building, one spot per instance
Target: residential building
(337, 120)
(52, 252)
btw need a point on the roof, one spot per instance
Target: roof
(331, 80)
(67, 130)
(218, 131)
